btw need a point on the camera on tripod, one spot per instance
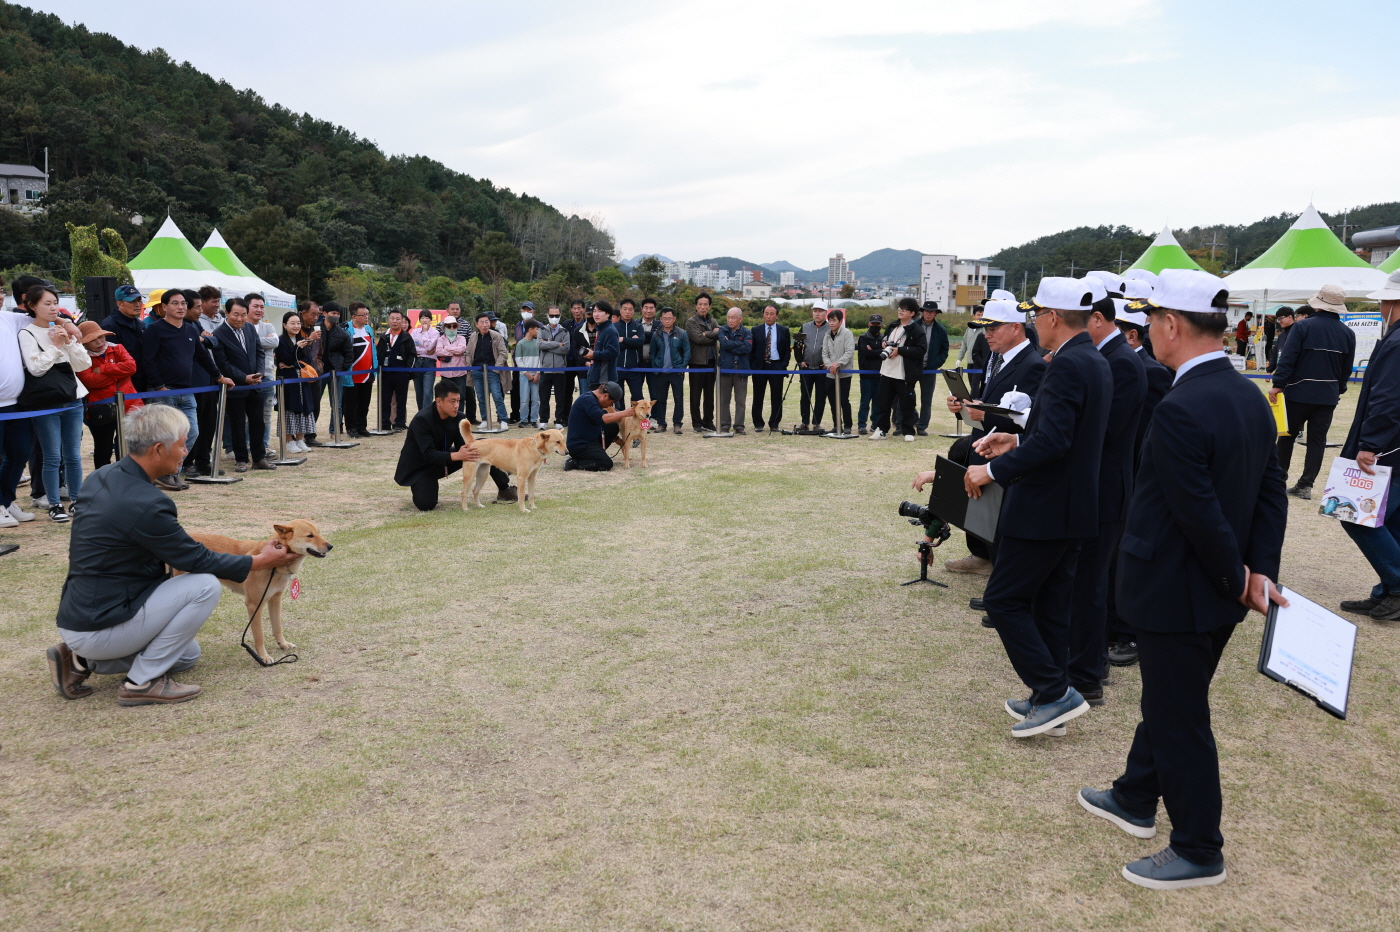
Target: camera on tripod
(934, 526)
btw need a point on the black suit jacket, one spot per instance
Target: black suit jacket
(1159, 379)
(237, 352)
(1120, 438)
(1376, 427)
(127, 531)
(1023, 374)
(397, 354)
(1052, 478)
(427, 447)
(758, 358)
(1210, 500)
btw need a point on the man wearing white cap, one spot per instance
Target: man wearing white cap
(1052, 503)
(1089, 611)
(1374, 437)
(1014, 366)
(1312, 373)
(811, 336)
(1201, 547)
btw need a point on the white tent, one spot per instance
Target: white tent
(241, 279)
(1305, 258)
(169, 261)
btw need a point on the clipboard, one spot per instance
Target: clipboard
(949, 500)
(1311, 650)
(956, 386)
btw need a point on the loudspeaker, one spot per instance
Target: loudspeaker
(101, 292)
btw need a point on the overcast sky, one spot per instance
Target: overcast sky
(797, 130)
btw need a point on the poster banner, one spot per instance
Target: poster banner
(1353, 496)
(1369, 328)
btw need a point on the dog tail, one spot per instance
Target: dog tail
(466, 428)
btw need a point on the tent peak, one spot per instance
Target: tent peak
(1309, 219)
(216, 240)
(1166, 237)
(168, 228)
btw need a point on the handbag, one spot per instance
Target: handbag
(101, 414)
(308, 371)
(56, 388)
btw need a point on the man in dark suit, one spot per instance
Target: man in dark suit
(1052, 503)
(772, 348)
(396, 351)
(1374, 437)
(1201, 545)
(1132, 320)
(1014, 365)
(432, 448)
(239, 357)
(1312, 373)
(1089, 608)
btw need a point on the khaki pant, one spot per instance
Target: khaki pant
(738, 386)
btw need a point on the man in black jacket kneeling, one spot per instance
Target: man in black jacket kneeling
(433, 449)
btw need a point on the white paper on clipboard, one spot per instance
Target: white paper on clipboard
(1311, 649)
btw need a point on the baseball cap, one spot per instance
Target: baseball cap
(614, 391)
(1191, 291)
(1065, 294)
(1096, 286)
(1001, 294)
(819, 305)
(527, 305)
(877, 318)
(128, 293)
(1141, 275)
(1112, 283)
(1001, 312)
(1136, 289)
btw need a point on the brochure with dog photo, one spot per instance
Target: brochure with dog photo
(1353, 496)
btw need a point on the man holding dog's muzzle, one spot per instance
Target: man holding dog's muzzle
(121, 611)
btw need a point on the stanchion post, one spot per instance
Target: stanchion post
(489, 401)
(717, 433)
(336, 443)
(121, 431)
(379, 400)
(282, 459)
(842, 431)
(217, 448)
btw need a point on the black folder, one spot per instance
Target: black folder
(951, 503)
(956, 386)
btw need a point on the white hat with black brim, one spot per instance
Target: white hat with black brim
(1066, 294)
(1189, 290)
(1391, 291)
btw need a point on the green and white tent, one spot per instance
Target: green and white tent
(1165, 253)
(1305, 258)
(170, 261)
(241, 279)
(1391, 264)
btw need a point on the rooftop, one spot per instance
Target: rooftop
(20, 171)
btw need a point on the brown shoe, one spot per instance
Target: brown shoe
(969, 564)
(66, 679)
(158, 691)
(170, 483)
(508, 494)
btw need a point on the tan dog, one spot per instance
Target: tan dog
(265, 587)
(630, 428)
(521, 456)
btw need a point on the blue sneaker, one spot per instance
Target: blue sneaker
(1042, 718)
(1167, 870)
(1019, 708)
(1102, 804)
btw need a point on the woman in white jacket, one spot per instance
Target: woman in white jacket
(50, 343)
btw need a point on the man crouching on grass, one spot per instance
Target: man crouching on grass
(121, 611)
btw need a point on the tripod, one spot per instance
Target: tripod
(925, 555)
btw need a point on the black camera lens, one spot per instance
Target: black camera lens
(912, 510)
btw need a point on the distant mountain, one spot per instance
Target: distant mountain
(897, 266)
(632, 262)
(782, 265)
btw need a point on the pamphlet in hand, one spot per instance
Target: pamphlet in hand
(1353, 496)
(1311, 649)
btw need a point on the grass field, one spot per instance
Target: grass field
(689, 697)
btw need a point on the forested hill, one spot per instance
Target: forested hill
(133, 133)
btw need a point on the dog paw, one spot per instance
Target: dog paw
(286, 645)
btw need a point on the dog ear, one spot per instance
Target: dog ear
(542, 443)
(283, 530)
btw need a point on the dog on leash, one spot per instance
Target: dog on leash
(630, 428)
(265, 586)
(522, 456)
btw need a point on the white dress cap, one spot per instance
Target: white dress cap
(1066, 294)
(1003, 312)
(1137, 289)
(1141, 275)
(1001, 294)
(1191, 291)
(1110, 281)
(1096, 286)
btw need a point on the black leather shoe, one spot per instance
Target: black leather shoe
(1123, 654)
(923, 433)
(1388, 610)
(569, 464)
(264, 464)
(1360, 606)
(1093, 696)
(987, 621)
(976, 605)
(312, 442)
(1301, 491)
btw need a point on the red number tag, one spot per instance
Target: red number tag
(646, 423)
(295, 589)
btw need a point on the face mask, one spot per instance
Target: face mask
(526, 315)
(554, 320)
(450, 331)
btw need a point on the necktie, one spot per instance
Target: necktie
(993, 367)
(773, 343)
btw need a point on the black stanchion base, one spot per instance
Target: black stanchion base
(954, 436)
(213, 480)
(931, 582)
(711, 435)
(794, 432)
(291, 461)
(340, 445)
(836, 436)
(379, 433)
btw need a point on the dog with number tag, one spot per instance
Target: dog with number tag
(635, 427)
(522, 456)
(265, 586)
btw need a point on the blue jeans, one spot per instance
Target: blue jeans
(529, 398)
(187, 405)
(496, 394)
(869, 400)
(423, 380)
(1381, 545)
(14, 453)
(61, 438)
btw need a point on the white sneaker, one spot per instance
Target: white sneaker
(877, 434)
(296, 446)
(41, 502)
(908, 438)
(18, 515)
(7, 519)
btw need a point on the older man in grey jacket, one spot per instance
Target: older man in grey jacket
(555, 342)
(121, 611)
(812, 334)
(838, 350)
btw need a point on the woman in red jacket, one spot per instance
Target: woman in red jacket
(111, 372)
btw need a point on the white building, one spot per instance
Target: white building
(754, 289)
(957, 284)
(676, 272)
(21, 186)
(787, 279)
(838, 272)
